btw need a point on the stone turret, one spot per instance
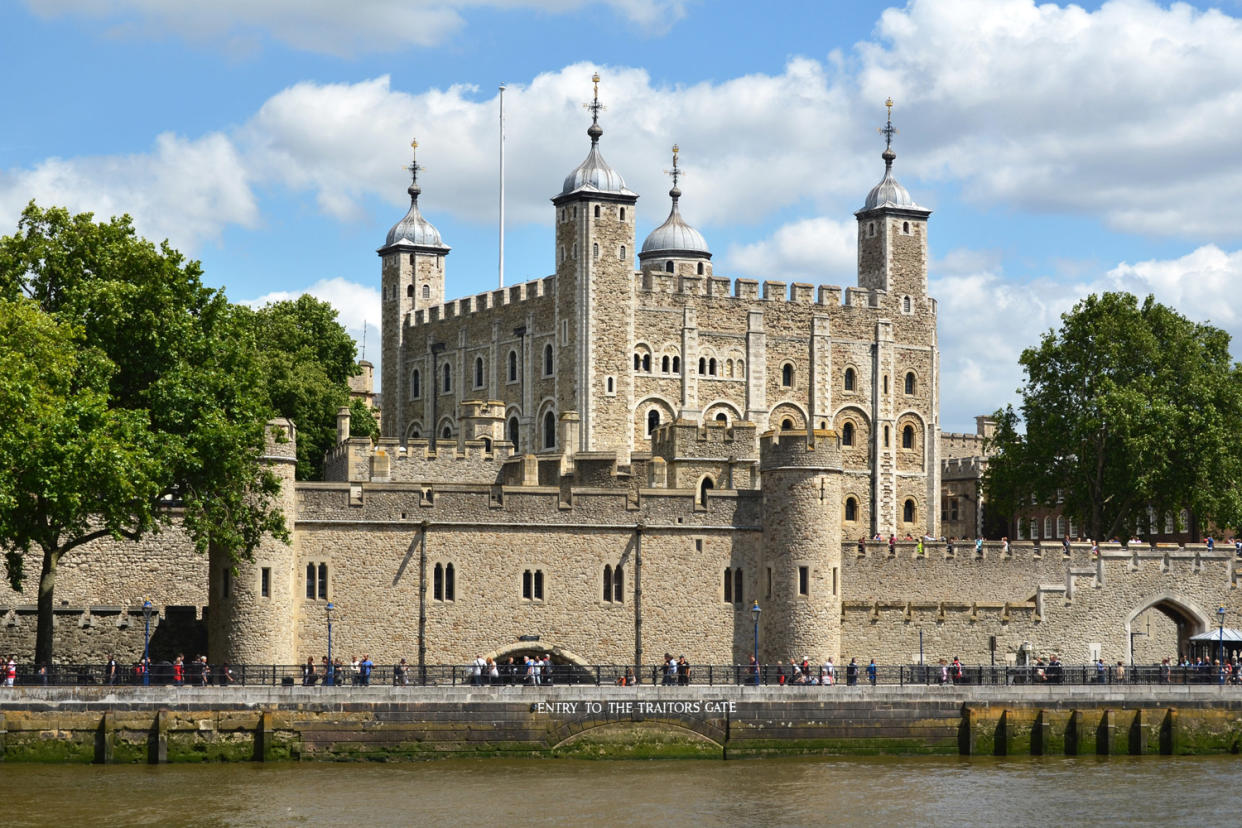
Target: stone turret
(252, 609)
(801, 482)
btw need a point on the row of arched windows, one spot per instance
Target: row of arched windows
(729, 368)
(850, 382)
(513, 431)
(670, 267)
(848, 435)
(480, 375)
(668, 364)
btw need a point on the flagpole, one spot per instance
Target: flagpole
(502, 186)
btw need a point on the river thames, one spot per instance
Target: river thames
(880, 791)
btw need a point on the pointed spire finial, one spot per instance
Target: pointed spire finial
(888, 131)
(676, 173)
(414, 168)
(595, 108)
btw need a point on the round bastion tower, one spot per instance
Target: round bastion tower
(801, 576)
(253, 610)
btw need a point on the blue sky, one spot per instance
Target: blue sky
(1064, 149)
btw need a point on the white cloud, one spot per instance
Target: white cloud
(986, 320)
(1129, 112)
(184, 190)
(328, 26)
(355, 304)
(816, 250)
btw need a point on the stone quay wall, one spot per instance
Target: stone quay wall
(156, 725)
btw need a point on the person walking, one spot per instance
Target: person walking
(10, 671)
(871, 672)
(851, 673)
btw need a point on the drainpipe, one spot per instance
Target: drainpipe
(638, 600)
(422, 605)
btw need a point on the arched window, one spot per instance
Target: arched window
(595, 251)
(706, 486)
(729, 368)
(607, 583)
(905, 304)
(437, 583)
(721, 417)
(478, 372)
(597, 211)
(487, 445)
(886, 436)
(647, 363)
(409, 291)
(610, 385)
(668, 266)
(787, 424)
(737, 586)
(618, 584)
(711, 366)
(513, 365)
(513, 432)
(741, 368)
(447, 432)
(416, 386)
(1048, 526)
(653, 420)
(623, 214)
(728, 586)
(664, 364)
(426, 291)
(638, 361)
(907, 437)
(907, 511)
(905, 227)
(622, 255)
(847, 434)
(450, 585)
(676, 365)
(849, 379)
(547, 360)
(549, 430)
(787, 373)
(323, 581)
(700, 268)
(448, 378)
(886, 383)
(851, 509)
(1061, 526)
(910, 382)
(702, 365)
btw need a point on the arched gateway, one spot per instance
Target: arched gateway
(568, 667)
(1161, 625)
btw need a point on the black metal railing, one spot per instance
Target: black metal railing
(768, 675)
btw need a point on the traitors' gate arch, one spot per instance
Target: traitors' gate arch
(571, 667)
(1161, 626)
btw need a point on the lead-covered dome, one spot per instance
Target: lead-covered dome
(674, 235)
(594, 175)
(889, 192)
(414, 229)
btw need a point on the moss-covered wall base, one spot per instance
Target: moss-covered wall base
(149, 726)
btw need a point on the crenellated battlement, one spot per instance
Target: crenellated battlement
(786, 449)
(747, 290)
(684, 439)
(518, 294)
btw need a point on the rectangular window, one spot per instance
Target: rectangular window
(310, 581)
(698, 544)
(450, 583)
(804, 580)
(437, 583)
(265, 582)
(323, 581)
(834, 580)
(527, 590)
(538, 584)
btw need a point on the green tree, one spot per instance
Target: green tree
(307, 358)
(1128, 407)
(149, 396)
(362, 421)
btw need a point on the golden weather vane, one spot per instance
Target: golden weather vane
(676, 171)
(595, 106)
(888, 130)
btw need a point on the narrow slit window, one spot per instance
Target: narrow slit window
(804, 580)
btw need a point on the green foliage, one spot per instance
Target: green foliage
(362, 421)
(306, 358)
(1126, 407)
(128, 385)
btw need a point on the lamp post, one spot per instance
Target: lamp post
(146, 643)
(754, 613)
(436, 349)
(329, 679)
(1220, 651)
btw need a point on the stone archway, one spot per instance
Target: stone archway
(1160, 626)
(569, 667)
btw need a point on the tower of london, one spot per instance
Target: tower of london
(628, 457)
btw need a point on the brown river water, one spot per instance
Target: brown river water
(1050, 791)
